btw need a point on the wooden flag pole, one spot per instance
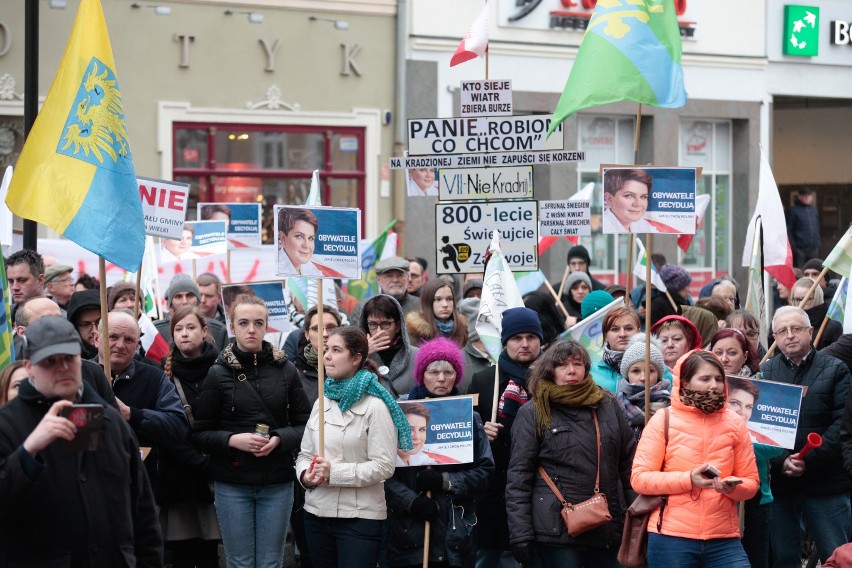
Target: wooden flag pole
(629, 283)
(821, 331)
(496, 397)
(648, 330)
(556, 298)
(104, 327)
(804, 301)
(194, 270)
(229, 266)
(564, 278)
(320, 368)
(139, 298)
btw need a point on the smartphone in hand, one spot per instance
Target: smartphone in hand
(710, 472)
(732, 481)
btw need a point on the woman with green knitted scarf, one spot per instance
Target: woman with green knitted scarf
(570, 423)
(345, 501)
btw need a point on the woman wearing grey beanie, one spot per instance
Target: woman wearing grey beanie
(630, 393)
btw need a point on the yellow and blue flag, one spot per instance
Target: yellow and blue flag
(75, 173)
(631, 51)
(7, 350)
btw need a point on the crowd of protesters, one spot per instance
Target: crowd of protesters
(218, 452)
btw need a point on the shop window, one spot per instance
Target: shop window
(269, 165)
(707, 144)
(606, 140)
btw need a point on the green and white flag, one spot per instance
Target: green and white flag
(640, 268)
(840, 257)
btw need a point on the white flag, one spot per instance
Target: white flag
(639, 268)
(499, 293)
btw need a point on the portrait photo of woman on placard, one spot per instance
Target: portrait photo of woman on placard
(423, 182)
(297, 230)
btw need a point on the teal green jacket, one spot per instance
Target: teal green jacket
(607, 377)
(763, 454)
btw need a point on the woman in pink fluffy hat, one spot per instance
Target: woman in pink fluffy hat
(443, 494)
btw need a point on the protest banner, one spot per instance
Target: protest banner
(483, 160)
(589, 331)
(649, 200)
(208, 238)
(485, 183)
(565, 218)
(772, 409)
(491, 98)
(164, 206)
(243, 222)
(464, 230)
(486, 134)
(320, 242)
(441, 431)
(272, 294)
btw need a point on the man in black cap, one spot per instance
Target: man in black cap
(521, 335)
(63, 507)
(84, 311)
(803, 227)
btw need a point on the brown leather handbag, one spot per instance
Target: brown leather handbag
(589, 514)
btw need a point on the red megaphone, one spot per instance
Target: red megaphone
(814, 441)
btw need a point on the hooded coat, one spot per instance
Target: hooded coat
(695, 438)
(698, 339)
(399, 379)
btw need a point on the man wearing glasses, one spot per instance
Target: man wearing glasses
(814, 489)
(84, 311)
(382, 319)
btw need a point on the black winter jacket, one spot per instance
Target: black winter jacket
(63, 508)
(568, 453)
(451, 538)
(226, 407)
(827, 381)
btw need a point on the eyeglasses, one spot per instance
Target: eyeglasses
(328, 328)
(752, 334)
(385, 325)
(86, 325)
(792, 330)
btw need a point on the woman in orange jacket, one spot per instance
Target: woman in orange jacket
(703, 471)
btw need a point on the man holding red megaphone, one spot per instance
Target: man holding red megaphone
(810, 484)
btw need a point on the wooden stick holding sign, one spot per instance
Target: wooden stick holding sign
(647, 329)
(139, 298)
(320, 368)
(104, 327)
(496, 397)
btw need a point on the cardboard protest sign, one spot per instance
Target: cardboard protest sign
(486, 134)
(772, 409)
(463, 232)
(486, 98)
(321, 242)
(485, 183)
(243, 222)
(649, 200)
(164, 206)
(441, 431)
(565, 218)
(272, 294)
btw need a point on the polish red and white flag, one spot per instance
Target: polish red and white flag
(475, 42)
(155, 346)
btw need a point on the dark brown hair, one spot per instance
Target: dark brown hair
(6, 379)
(614, 180)
(427, 298)
(613, 315)
(247, 299)
(743, 384)
(742, 341)
(288, 216)
(417, 409)
(690, 366)
(357, 343)
(180, 314)
(556, 355)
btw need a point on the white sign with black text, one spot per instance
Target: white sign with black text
(482, 98)
(482, 135)
(486, 183)
(565, 218)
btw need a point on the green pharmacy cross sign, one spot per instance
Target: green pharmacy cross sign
(801, 30)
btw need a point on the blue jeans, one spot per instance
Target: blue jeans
(353, 543)
(495, 558)
(572, 557)
(826, 518)
(253, 520)
(677, 552)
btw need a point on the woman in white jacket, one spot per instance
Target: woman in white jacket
(345, 499)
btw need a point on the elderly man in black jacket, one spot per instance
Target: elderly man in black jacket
(814, 489)
(63, 507)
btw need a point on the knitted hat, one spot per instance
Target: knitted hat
(520, 320)
(813, 264)
(674, 277)
(438, 349)
(469, 307)
(575, 277)
(581, 252)
(636, 352)
(595, 301)
(470, 285)
(182, 283)
(118, 290)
